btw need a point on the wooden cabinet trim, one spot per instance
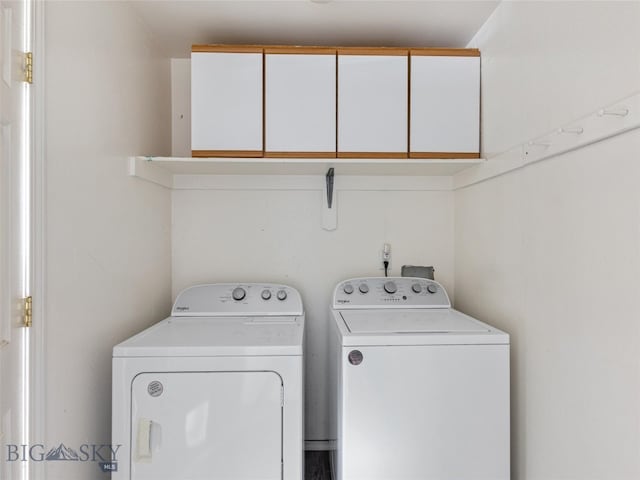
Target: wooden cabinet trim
(300, 50)
(444, 155)
(329, 50)
(381, 51)
(444, 52)
(372, 155)
(300, 154)
(227, 153)
(227, 49)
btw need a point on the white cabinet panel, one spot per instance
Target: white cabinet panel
(300, 103)
(372, 103)
(445, 104)
(226, 102)
(198, 425)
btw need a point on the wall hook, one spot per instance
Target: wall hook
(329, 181)
(618, 112)
(575, 130)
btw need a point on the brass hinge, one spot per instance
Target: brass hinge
(28, 67)
(28, 316)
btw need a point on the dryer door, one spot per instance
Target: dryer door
(206, 425)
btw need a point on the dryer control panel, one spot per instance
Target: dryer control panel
(390, 292)
(237, 299)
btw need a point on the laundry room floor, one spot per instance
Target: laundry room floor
(317, 466)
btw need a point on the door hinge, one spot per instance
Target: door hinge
(28, 67)
(28, 317)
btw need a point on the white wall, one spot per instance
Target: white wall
(276, 236)
(254, 235)
(108, 251)
(551, 253)
(546, 63)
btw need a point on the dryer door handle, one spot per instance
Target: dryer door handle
(148, 438)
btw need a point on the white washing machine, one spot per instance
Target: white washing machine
(215, 391)
(422, 389)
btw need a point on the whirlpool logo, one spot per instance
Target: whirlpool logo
(105, 455)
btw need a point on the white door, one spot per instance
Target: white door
(226, 104)
(206, 425)
(15, 251)
(372, 105)
(445, 106)
(300, 104)
(425, 412)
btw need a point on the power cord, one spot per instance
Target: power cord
(386, 258)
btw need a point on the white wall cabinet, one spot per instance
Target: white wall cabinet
(300, 102)
(445, 104)
(372, 103)
(327, 102)
(226, 102)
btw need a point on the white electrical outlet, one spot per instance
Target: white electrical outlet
(386, 256)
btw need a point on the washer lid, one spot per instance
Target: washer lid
(406, 322)
(443, 326)
(222, 336)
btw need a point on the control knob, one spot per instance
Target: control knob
(266, 294)
(432, 288)
(416, 287)
(238, 293)
(364, 288)
(281, 295)
(348, 289)
(390, 287)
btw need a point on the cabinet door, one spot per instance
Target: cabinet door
(226, 104)
(300, 104)
(445, 106)
(372, 104)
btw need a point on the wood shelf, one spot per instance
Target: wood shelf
(162, 169)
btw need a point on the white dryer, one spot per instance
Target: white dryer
(422, 389)
(215, 391)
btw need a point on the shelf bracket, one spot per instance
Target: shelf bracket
(329, 207)
(329, 181)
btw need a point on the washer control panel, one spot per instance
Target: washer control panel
(390, 292)
(237, 299)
